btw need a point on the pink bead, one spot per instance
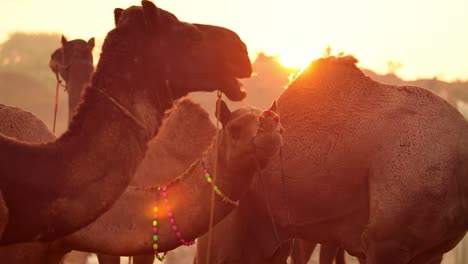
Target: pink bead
(166, 200)
(172, 221)
(164, 188)
(174, 227)
(205, 171)
(164, 194)
(170, 214)
(155, 216)
(168, 207)
(182, 241)
(178, 234)
(155, 251)
(155, 230)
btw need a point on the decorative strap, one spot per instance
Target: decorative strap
(126, 112)
(216, 188)
(266, 113)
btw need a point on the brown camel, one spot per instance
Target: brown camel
(137, 78)
(397, 157)
(73, 62)
(23, 126)
(242, 150)
(187, 123)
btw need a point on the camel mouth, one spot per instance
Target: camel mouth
(233, 89)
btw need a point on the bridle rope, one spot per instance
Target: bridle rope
(210, 226)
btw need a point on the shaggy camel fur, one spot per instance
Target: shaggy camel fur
(381, 170)
(62, 186)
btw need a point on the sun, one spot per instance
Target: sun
(294, 60)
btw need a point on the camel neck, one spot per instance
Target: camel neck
(81, 174)
(189, 197)
(78, 75)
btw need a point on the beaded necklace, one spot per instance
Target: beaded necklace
(215, 188)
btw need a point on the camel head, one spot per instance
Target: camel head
(247, 140)
(73, 53)
(186, 57)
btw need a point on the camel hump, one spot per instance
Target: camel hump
(23, 125)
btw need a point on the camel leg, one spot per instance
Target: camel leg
(302, 250)
(328, 252)
(143, 259)
(108, 259)
(340, 256)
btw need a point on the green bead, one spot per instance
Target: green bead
(155, 238)
(209, 179)
(155, 223)
(215, 188)
(207, 175)
(155, 246)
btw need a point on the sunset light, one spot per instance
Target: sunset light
(129, 128)
(294, 60)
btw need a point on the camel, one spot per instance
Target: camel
(23, 126)
(187, 123)
(137, 78)
(396, 155)
(241, 151)
(73, 62)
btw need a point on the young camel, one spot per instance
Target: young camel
(137, 78)
(380, 170)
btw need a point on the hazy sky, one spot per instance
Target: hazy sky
(428, 37)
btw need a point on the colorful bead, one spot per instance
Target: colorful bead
(178, 234)
(174, 228)
(155, 238)
(155, 216)
(172, 221)
(155, 230)
(170, 214)
(155, 246)
(216, 188)
(155, 209)
(155, 222)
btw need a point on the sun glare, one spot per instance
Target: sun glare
(295, 61)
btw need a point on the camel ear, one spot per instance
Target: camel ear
(274, 107)
(91, 43)
(223, 114)
(64, 41)
(150, 12)
(117, 13)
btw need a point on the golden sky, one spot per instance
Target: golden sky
(428, 37)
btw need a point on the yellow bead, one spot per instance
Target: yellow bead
(155, 246)
(155, 223)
